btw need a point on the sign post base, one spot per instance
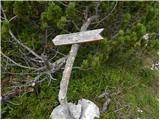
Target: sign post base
(85, 109)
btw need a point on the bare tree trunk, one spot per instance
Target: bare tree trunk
(69, 63)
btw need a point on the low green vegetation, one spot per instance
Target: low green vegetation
(130, 88)
(119, 65)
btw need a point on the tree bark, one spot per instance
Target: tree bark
(69, 63)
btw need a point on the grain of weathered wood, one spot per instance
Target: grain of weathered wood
(79, 37)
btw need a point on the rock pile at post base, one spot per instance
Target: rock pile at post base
(85, 109)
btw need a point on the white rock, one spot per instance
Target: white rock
(89, 109)
(85, 109)
(75, 110)
(60, 112)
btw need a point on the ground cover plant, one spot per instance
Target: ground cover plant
(124, 65)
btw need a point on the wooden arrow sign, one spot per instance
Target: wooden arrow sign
(79, 37)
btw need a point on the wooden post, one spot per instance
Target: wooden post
(72, 55)
(66, 74)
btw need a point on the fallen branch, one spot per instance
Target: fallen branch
(43, 73)
(27, 48)
(107, 101)
(20, 88)
(17, 64)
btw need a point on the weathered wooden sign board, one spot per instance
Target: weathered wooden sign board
(79, 37)
(62, 111)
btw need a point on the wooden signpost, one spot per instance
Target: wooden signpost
(79, 37)
(74, 39)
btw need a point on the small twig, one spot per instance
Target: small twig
(40, 69)
(97, 6)
(9, 107)
(125, 106)
(50, 76)
(33, 59)
(58, 64)
(107, 15)
(59, 52)
(75, 25)
(14, 103)
(40, 81)
(24, 57)
(27, 48)
(105, 104)
(19, 73)
(4, 15)
(46, 36)
(2, 18)
(22, 66)
(12, 18)
(45, 41)
(54, 56)
(103, 94)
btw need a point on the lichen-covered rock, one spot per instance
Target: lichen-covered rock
(75, 110)
(85, 109)
(89, 109)
(60, 112)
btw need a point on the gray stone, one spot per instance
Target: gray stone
(85, 109)
(89, 109)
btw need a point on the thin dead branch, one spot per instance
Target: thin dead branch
(97, 23)
(44, 72)
(31, 83)
(24, 46)
(17, 64)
